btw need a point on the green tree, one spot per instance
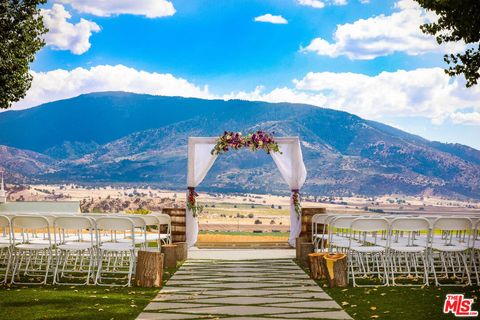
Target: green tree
(21, 30)
(458, 21)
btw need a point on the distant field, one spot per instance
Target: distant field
(231, 237)
(243, 219)
(245, 209)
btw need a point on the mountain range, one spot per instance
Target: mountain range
(119, 137)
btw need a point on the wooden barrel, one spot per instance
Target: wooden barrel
(307, 214)
(178, 223)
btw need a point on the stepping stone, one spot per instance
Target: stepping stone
(251, 318)
(237, 310)
(306, 295)
(246, 292)
(179, 297)
(176, 283)
(318, 315)
(305, 288)
(325, 304)
(172, 305)
(244, 285)
(245, 300)
(181, 289)
(163, 315)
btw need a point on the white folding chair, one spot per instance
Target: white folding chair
(320, 231)
(5, 247)
(75, 249)
(409, 246)
(153, 232)
(140, 231)
(475, 251)
(29, 256)
(164, 227)
(339, 234)
(115, 258)
(368, 253)
(450, 245)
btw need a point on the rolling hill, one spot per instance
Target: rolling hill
(118, 137)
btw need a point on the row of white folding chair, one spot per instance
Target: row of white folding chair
(319, 237)
(141, 222)
(449, 244)
(475, 252)
(114, 243)
(158, 220)
(5, 248)
(35, 255)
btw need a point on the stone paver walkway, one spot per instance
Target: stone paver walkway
(249, 289)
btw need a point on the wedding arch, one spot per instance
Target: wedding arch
(287, 156)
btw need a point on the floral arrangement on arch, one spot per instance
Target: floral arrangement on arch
(296, 202)
(192, 202)
(259, 140)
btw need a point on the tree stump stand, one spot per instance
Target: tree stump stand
(335, 266)
(170, 252)
(303, 248)
(149, 270)
(317, 270)
(182, 251)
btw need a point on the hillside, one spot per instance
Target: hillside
(121, 137)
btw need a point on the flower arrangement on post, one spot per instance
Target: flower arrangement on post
(296, 201)
(259, 140)
(192, 202)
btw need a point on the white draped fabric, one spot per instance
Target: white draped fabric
(289, 163)
(200, 160)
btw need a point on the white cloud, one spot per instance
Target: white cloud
(312, 3)
(271, 19)
(472, 118)
(106, 8)
(62, 84)
(427, 93)
(383, 35)
(318, 4)
(63, 35)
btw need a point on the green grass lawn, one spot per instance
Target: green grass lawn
(403, 303)
(74, 302)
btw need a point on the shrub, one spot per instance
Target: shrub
(139, 211)
(258, 222)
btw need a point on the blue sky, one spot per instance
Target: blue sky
(364, 57)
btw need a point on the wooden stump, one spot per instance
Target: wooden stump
(335, 266)
(182, 251)
(170, 252)
(303, 248)
(149, 270)
(316, 269)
